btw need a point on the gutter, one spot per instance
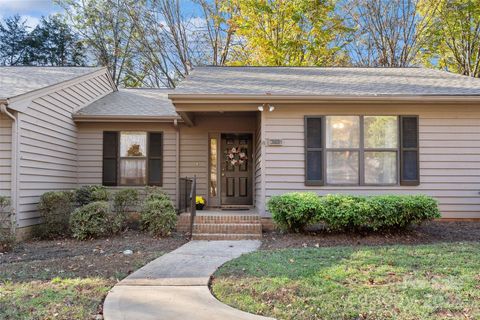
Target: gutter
(123, 118)
(13, 165)
(295, 99)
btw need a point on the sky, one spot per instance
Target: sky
(33, 10)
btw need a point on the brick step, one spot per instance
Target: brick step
(199, 219)
(223, 236)
(228, 228)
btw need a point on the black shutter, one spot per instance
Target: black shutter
(314, 151)
(155, 158)
(409, 151)
(110, 158)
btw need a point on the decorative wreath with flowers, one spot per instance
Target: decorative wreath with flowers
(236, 157)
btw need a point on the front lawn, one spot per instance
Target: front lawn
(68, 279)
(431, 281)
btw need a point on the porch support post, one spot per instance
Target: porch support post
(263, 150)
(177, 162)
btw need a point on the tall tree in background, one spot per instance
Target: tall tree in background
(161, 44)
(106, 27)
(388, 33)
(13, 40)
(454, 42)
(54, 43)
(288, 32)
(216, 34)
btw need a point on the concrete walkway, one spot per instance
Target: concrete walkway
(175, 286)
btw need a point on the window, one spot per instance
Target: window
(132, 158)
(380, 149)
(361, 150)
(213, 167)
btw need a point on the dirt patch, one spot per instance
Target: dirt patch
(46, 259)
(432, 232)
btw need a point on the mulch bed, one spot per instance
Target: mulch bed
(431, 232)
(104, 258)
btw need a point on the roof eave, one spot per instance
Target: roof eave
(263, 98)
(30, 95)
(124, 118)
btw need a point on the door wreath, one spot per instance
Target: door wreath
(236, 156)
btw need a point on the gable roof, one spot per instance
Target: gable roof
(129, 104)
(317, 81)
(15, 81)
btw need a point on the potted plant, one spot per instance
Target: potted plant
(200, 202)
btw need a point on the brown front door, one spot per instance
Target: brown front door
(236, 166)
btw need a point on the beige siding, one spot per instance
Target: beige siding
(194, 143)
(5, 155)
(90, 146)
(48, 143)
(449, 154)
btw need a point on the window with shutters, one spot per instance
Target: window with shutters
(361, 150)
(132, 158)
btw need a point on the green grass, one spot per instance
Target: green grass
(395, 282)
(54, 299)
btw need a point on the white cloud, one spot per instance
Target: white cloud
(31, 21)
(21, 6)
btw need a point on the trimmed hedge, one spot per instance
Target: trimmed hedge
(295, 211)
(91, 221)
(124, 201)
(354, 213)
(158, 215)
(7, 237)
(55, 207)
(88, 194)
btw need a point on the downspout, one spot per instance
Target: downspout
(13, 165)
(177, 162)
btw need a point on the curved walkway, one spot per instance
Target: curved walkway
(175, 286)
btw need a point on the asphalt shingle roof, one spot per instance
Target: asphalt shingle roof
(132, 102)
(15, 81)
(326, 81)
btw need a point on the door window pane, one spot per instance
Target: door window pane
(380, 167)
(342, 167)
(381, 131)
(133, 171)
(343, 132)
(133, 144)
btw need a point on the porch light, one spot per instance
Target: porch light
(263, 106)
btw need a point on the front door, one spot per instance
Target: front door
(236, 166)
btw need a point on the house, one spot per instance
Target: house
(245, 133)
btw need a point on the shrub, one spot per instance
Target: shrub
(294, 211)
(55, 207)
(152, 193)
(346, 212)
(7, 237)
(88, 194)
(158, 215)
(91, 221)
(123, 202)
